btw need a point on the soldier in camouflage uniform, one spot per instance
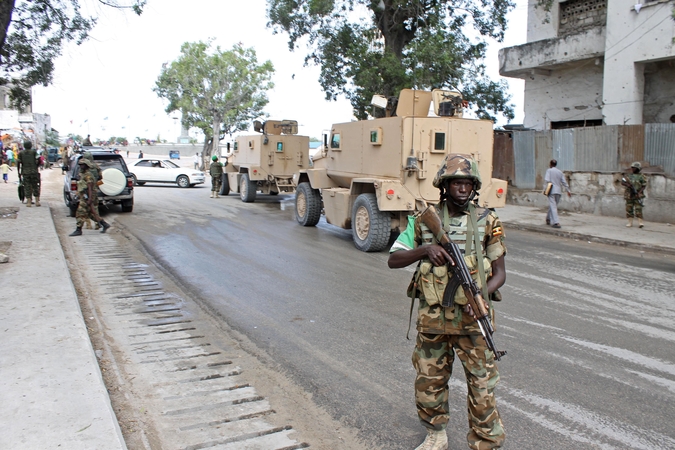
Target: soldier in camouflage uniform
(634, 194)
(95, 171)
(86, 190)
(216, 171)
(27, 166)
(444, 332)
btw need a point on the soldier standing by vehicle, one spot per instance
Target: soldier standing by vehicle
(86, 190)
(27, 166)
(634, 194)
(446, 331)
(216, 171)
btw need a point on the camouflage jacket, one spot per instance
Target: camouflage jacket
(639, 182)
(433, 318)
(216, 169)
(28, 160)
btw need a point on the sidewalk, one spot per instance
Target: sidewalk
(51, 390)
(606, 230)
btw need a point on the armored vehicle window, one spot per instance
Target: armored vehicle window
(236, 146)
(439, 141)
(280, 146)
(335, 141)
(376, 136)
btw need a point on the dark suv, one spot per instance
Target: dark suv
(117, 187)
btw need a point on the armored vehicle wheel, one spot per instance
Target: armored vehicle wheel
(371, 228)
(307, 205)
(224, 185)
(247, 189)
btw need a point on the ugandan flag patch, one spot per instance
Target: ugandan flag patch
(497, 231)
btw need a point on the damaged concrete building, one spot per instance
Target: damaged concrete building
(596, 62)
(599, 94)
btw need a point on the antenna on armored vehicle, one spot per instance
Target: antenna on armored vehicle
(411, 162)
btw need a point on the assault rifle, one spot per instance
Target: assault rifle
(633, 192)
(461, 277)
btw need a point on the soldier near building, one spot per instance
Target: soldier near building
(446, 331)
(27, 166)
(634, 194)
(216, 171)
(86, 190)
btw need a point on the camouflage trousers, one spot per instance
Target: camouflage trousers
(216, 182)
(432, 359)
(31, 185)
(84, 212)
(633, 208)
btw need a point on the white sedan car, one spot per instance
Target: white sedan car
(164, 171)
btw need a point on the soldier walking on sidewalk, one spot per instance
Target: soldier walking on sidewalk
(86, 189)
(27, 166)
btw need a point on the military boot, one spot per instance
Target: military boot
(641, 225)
(436, 440)
(77, 232)
(630, 222)
(37, 201)
(217, 196)
(29, 202)
(104, 226)
(212, 192)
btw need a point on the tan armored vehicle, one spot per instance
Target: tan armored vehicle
(371, 174)
(266, 162)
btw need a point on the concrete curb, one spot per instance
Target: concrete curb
(587, 237)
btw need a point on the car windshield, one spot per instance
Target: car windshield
(170, 164)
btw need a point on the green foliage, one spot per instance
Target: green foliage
(367, 47)
(75, 137)
(32, 35)
(218, 91)
(52, 138)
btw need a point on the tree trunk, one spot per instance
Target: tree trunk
(6, 8)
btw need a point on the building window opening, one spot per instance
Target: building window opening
(575, 124)
(580, 15)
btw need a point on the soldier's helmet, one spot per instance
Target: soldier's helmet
(84, 162)
(458, 166)
(637, 165)
(214, 158)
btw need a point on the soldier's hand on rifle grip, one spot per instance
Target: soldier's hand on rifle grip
(469, 310)
(438, 256)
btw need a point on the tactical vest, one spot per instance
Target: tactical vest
(431, 280)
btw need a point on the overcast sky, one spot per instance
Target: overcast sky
(104, 86)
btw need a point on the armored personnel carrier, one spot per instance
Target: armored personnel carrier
(267, 161)
(372, 174)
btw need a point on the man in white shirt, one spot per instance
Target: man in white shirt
(557, 179)
(195, 159)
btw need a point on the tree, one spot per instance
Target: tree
(32, 34)
(218, 91)
(52, 138)
(367, 47)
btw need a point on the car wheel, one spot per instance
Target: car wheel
(247, 189)
(66, 198)
(128, 205)
(183, 181)
(371, 228)
(225, 185)
(136, 182)
(307, 205)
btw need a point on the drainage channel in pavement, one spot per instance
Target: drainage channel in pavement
(191, 390)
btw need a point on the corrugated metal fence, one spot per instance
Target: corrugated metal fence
(593, 149)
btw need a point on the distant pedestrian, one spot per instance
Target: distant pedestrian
(216, 171)
(195, 160)
(127, 153)
(634, 194)
(5, 170)
(140, 154)
(557, 180)
(27, 166)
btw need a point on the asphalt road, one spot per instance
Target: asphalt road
(589, 329)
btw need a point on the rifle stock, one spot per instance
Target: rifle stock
(461, 277)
